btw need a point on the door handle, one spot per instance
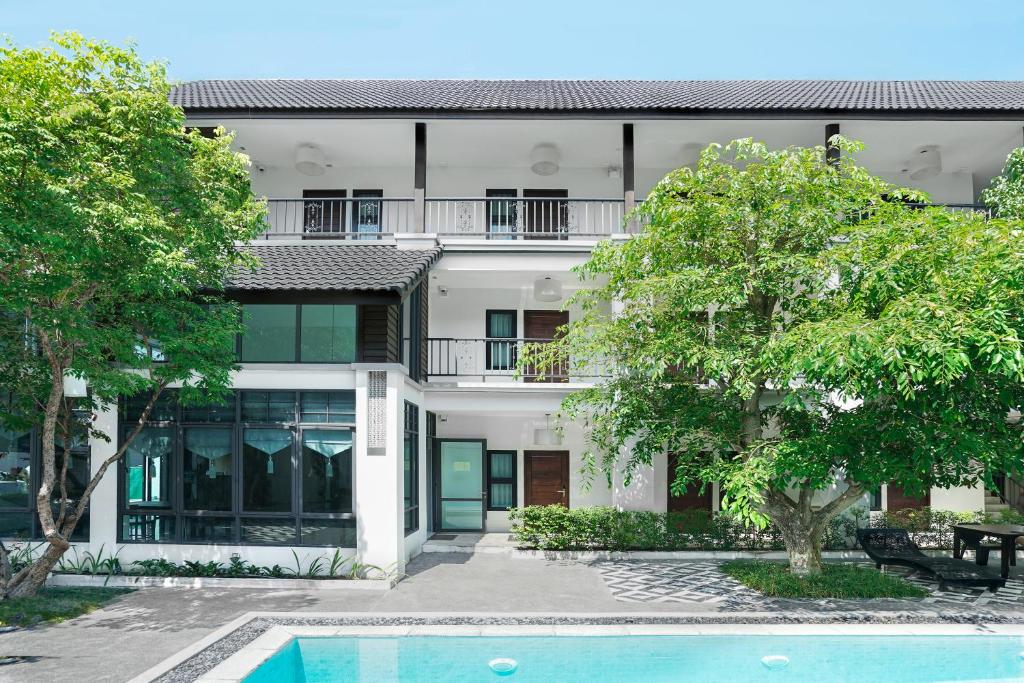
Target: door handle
(562, 491)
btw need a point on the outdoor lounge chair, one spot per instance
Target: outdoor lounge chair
(893, 546)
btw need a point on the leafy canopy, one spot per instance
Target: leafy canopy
(781, 320)
(117, 228)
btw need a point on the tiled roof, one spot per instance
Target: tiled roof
(334, 267)
(335, 95)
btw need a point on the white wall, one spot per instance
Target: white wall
(516, 434)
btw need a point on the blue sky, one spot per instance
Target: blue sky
(881, 39)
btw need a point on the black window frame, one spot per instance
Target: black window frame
(499, 198)
(489, 335)
(411, 435)
(179, 517)
(503, 480)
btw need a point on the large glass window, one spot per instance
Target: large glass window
(502, 213)
(207, 468)
(269, 334)
(149, 477)
(328, 333)
(275, 473)
(326, 470)
(411, 468)
(15, 468)
(291, 333)
(501, 480)
(267, 470)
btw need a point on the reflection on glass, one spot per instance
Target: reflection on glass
(268, 406)
(326, 470)
(148, 468)
(328, 333)
(148, 528)
(328, 406)
(339, 533)
(15, 525)
(207, 529)
(207, 469)
(269, 334)
(461, 469)
(268, 531)
(461, 514)
(267, 470)
(15, 467)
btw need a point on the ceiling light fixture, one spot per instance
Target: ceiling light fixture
(544, 160)
(926, 163)
(547, 289)
(309, 160)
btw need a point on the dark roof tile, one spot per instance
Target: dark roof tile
(597, 95)
(334, 267)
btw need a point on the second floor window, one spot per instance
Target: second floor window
(501, 354)
(306, 333)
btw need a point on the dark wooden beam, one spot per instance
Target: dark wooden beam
(628, 173)
(420, 176)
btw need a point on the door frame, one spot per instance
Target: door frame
(437, 498)
(528, 472)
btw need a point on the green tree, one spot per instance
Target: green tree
(800, 332)
(1006, 193)
(117, 230)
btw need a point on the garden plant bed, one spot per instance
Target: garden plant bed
(53, 605)
(843, 581)
(139, 581)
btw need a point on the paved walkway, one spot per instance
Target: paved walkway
(143, 628)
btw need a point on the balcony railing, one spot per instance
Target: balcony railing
(485, 359)
(525, 218)
(496, 219)
(345, 218)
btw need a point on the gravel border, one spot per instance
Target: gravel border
(204, 661)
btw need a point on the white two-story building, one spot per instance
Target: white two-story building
(419, 233)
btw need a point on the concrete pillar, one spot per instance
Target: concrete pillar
(103, 518)
(380, 536)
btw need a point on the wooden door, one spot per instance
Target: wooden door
(897, 499)
(542, 325)
(692, 499)
(547, 477)
(545, 220)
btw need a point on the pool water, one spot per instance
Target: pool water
(651, 659)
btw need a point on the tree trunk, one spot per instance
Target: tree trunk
(803, 545)
(28, 581)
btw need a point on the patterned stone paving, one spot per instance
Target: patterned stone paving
(704, 583)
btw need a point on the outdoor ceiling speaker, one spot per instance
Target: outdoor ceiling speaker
(689, 152)
(547, 289)
(309, 160)
(926, 163)
(544, 159)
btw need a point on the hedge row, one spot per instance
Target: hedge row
(554, 527)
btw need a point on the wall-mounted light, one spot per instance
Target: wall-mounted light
(547, 289)
(544, 159)
(547, 435)
(614, 172)
(310, 160)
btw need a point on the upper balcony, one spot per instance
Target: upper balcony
(535, 184)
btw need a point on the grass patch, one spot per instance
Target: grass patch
(53, 605)
(836, 581)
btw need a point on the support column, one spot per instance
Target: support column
(831, 152)
(380, 534)
(420, 178)
(103, 519)
(628, 176)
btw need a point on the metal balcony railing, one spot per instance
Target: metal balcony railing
(487, 358)
(344, 218)
(525, 218)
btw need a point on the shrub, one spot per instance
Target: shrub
(931, 528)
(842, 581)
(554, 527)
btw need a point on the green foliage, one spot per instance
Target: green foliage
(117, 232)
(554, 527)
(931, 528)
(879, 341)
(319, 567)
(842, 581)
(1006, 193)
(54, 605)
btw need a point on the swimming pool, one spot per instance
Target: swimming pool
(652, 659)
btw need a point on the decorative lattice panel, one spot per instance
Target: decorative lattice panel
(376, 408)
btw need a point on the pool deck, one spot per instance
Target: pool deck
(142, 629)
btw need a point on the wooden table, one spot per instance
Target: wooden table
(973, 535)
